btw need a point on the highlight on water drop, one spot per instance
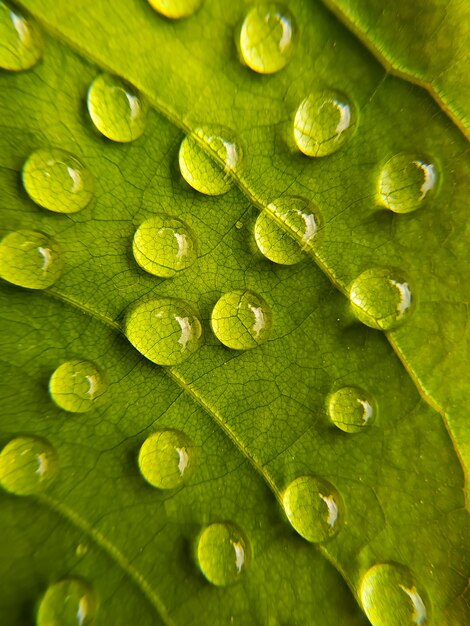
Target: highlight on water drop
(166, 459)
(351, 409)
(21, 45)
(406, 182)
(28, 465)
(176, 9)
(69, 602)
(223, 553)
(77, 386)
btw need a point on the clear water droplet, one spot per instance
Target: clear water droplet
(351, 409)
(166, 459)
(203, 171)
(241, 319)
(116, 108)
(165, 330)
(69, 602)
(176, 9)
(267, 38)
(314, 508)
(27, 465)
(239, 225)
(382, 298)
(77, 386)
(223, 553)
(58, 181)
(406, 182)
(164, 245)
(82, 549)
(21, 44)
(30, 259)
(324, 121)
(391, 595)
(296, 215)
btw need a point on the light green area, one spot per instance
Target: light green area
(77, 386)
(27, 465)
(69, 602)
(223, 553)
(166, 459)
(176, 9)
(20, 39)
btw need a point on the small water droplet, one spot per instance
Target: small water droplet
(58, 181)
(164, 245)
(381, 298)
(21, 42)
(406, 182)
(241, 319)
(313, 507)
(165, 330)
(82, 549)
(69, 602)
(166, 459)
(205, 172)
(351, 409)
(116, 108)
(223, 553)
(239, 225)
(267, 38)
(77, 386)
(323, 122)
(27, 465)
(391, 595)
(30, 259)
(176, 9)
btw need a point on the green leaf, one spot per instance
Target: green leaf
(251, 421)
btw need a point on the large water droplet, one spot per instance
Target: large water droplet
(267, 38)
(241, 319)
(295, 214)
(381, 298)
(30, 259)
(323, 122)
(27, 465)
(77, 386)
(69, 602)
(166, 459)
(176, 9)
(20, 40)
(203, 171)
(223, 553)
(351, 409)
(164, 245)
(391, 596)
(58, 181)
(313, 507)
(406, 182)
(117, 109)
(165, 330)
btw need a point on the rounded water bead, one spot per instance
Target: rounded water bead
(382, 298)
(165, 330)
(241, 319)
(21, 44)
(27, 465)
(69, 602)
(77, 386)
(324, 121)
(30, 259)
(390, 595)
(58, 181)
(267, 38)
(406, 182)
(351, 409)
(313, 507)
(116, 108)
(166, 459)
(176, 9)
(223, 553)
(164, 245)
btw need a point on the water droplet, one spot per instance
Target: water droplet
(223, 553)
(27, 465)
(390, 595)
(165, 330)
(82, 549)
(203, 171)
(69, 602)
(406, 182)
(313, 507)
(351, 409)
(295, 214)
(323, 122)
(77, 386)
(166, 459)
(239, 225)
(56, 180)
(116, 108)
(164, 245)
(241, 319)
(30, 259)
(267, 38)
(176, 9)
(21, 42)
(381, 298)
